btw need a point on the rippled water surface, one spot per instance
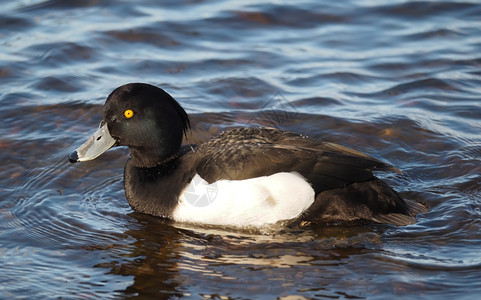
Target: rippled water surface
(399, 80)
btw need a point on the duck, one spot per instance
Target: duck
(241, 177)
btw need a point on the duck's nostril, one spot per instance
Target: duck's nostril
(98, 139)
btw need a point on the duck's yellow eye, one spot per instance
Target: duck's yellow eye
(128, 113)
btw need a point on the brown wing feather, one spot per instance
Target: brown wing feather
(252, 152)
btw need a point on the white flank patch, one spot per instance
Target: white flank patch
(251, 202)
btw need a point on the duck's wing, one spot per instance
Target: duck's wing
(253, 152)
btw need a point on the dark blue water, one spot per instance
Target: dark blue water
(398, 80)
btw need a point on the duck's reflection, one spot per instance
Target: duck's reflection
(170, 260)
(151, 258)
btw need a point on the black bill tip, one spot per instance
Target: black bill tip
(73, 157)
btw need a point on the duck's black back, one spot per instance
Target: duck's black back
(252, 152)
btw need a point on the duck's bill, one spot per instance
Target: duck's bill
(100, 142)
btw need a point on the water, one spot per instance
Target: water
(399, 80)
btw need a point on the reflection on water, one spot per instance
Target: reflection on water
(164, 258)
(399, 80)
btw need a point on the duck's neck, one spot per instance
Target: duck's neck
(150, 158)
(155, 190)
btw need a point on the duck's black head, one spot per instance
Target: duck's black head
(143, 117)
